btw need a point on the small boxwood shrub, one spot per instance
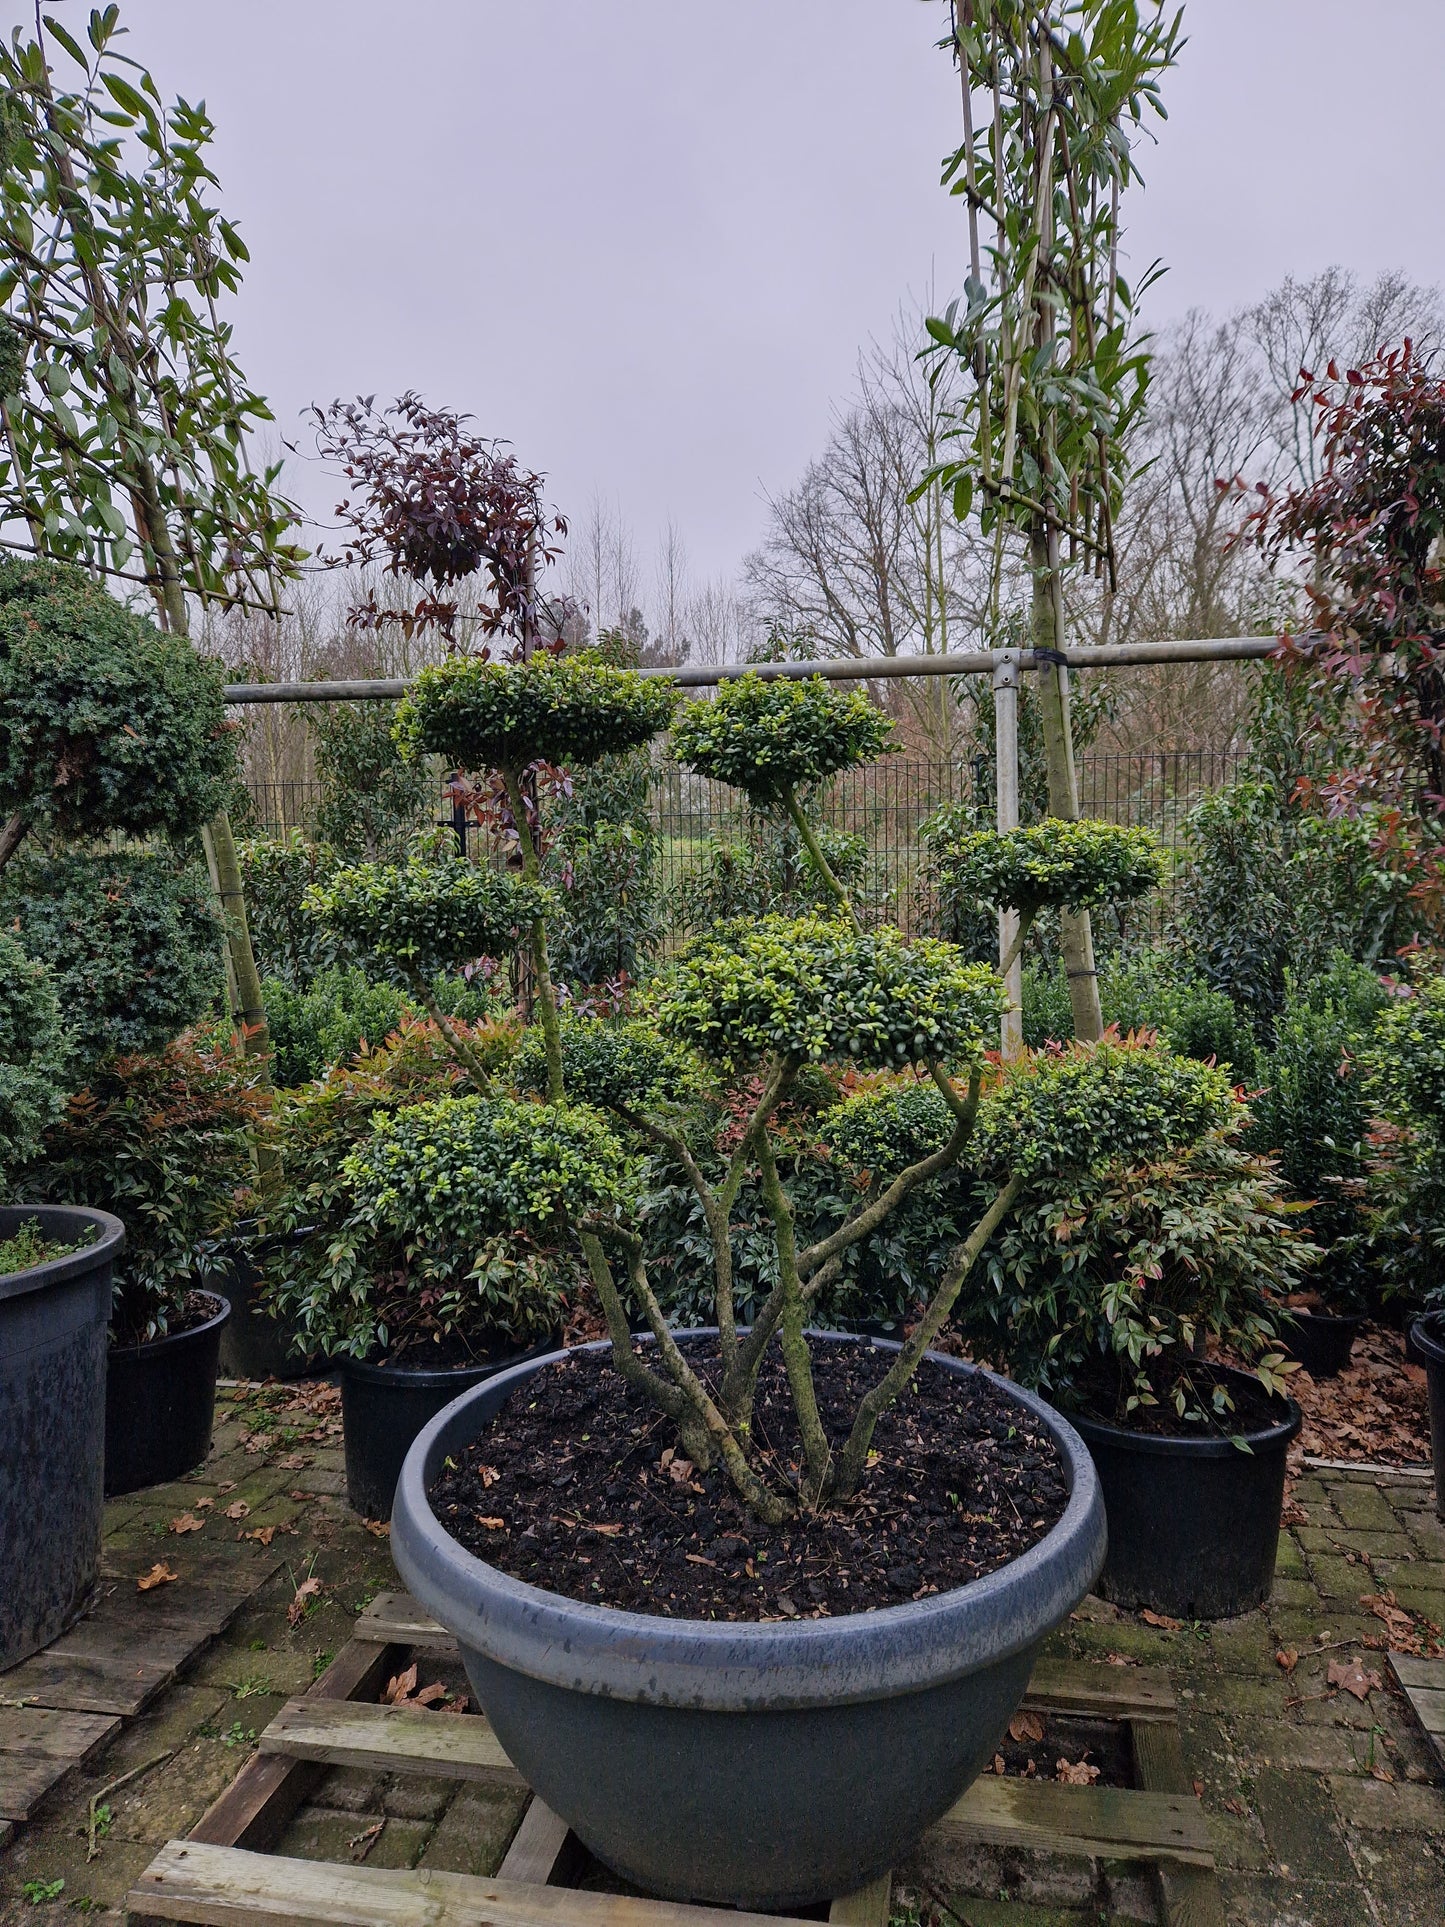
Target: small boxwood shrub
(135, 940)
(621, 1066)
(769, 737)
(328, 1023)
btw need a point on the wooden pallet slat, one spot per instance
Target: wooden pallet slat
(1423, 1683)
(398, 1739)
(544, 1849)
(38, 1747)
(1103, 1823)
(869, 1907)
(1191, 1895)
(229, 1887)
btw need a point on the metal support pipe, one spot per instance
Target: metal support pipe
(980, 662)
(1006, 767)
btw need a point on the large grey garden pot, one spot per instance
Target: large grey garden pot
(53, 1320)
(757, 1765)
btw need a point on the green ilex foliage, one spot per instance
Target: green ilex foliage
(1052, 864)
(465, 1169)
(768, 737)
(106, 724)
(881, 1132)
(417, 919)
(164, 1139)
(608, 1065)
(1095, 1105)
(372, 798)
(553, 709)
(276, 873)
(814, 991)
(135, 941)
(1408, 1057)
(34, 1054)
(329, 1022)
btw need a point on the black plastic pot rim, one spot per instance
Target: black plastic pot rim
(435, 1378)
(1299, 1313)
(632, 1656)
(1428, 1333)
(151, 1346)
(73, 1264)
(1270, 1438)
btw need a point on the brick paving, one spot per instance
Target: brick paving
(1324, 1809)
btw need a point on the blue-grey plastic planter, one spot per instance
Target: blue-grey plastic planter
(756, 1765)
(53, 1321)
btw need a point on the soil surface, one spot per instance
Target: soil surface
(192, 1310)
(1254, 1409)
(582, 1491)
(1378, 1409)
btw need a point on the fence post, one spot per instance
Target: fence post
(1006, 781)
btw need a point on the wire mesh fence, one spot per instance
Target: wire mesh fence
(885, 805)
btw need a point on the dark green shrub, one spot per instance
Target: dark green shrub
(165, 1141)
(35, 1072)
(553, 709)
(373, 798)
(277, 873)
(1155, 990)
(1406, 1083)
(415, 920)
(106, 724)
(601, 860)
(764, 871)
(619, 1066)
(1052, 864)
(327, 1023)
(769, 738)
(135, 940)
(1100, 1287)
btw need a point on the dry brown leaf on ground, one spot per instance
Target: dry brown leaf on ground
(1352, 1677)
(1406, 1632)
(305, 1593)
(488, 1474)
(399, 1686)
(204, 1505)
(160, 1574)
(1286, 1659)
(294, 1462)
(263, 1535)
(188, 1522)
(1161, 1620)
(1025, 1729)
(430, 1695)
(500, 1525)
(378, 1528)
(998, 1763)
(237, 1509)
(1121, 1659)
(226, 1485)
(1081, 1774)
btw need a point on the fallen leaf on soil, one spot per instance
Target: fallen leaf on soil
(786, 1606)
(1405, 1632)
(1352, 1677)
(1081, 1775)
(1294, 1514)
(303, 1495)
(1162, 1620)
(226, 1485)
(488, 1474)
(429, 1695)
(204, 1505)
(399, 1686)
(1121, 1659)
(188, 1522)
(294, 1462)
(263, 1535)
(459, 1705)
(1025, 1728)
(378, 1528)
(1382, 1773)
(1286, 1659)
(1238, 1808)
(608, 1532)
(237, 1509)
(160, 1574)
(305, 1592)
(1199, 1789)
(998, 1763)
(492, 1525)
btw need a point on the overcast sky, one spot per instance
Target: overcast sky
(644, 239)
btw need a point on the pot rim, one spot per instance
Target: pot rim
(433, 1378)
(72, 1264)
(149, 1347)
(1428, 1332)
(1269, 1437)
(743, 1665)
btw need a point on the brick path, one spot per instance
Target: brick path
(1326, 1812)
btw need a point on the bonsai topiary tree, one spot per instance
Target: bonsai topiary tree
(747, 1008)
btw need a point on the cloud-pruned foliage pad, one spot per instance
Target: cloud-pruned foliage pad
(418, 919)
(768, 737)
(553, 709)
(1073, 866)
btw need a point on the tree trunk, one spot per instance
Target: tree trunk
(1076, 934)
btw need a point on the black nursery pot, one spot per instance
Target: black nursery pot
(53, 1320)
(1193, 1522)
(383, 1407)
(160, 1404)
(1428, 1334)
(1320, 1341)
(254, 1344)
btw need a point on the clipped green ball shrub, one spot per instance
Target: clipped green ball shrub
(767, 737)
(882, 1132)
(1050, 864)
(610, 1066)
(815, 991)
(106, 724)
(135, 941)
(328, 1022)
(34, 1055)
(1408, 1056)
(464, 1169)
(417, 919)
(553, 709)
(1096, 1105)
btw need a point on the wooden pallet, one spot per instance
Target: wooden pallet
(1422, 1681)
(223, 1875)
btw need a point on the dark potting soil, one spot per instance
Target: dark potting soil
(1254, 1409)
(578, 1487)
(453, 1352)
(196, 1308)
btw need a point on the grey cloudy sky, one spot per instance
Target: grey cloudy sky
(644, 239)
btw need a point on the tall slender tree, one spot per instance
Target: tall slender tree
(1055, 97)
(124, 418)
